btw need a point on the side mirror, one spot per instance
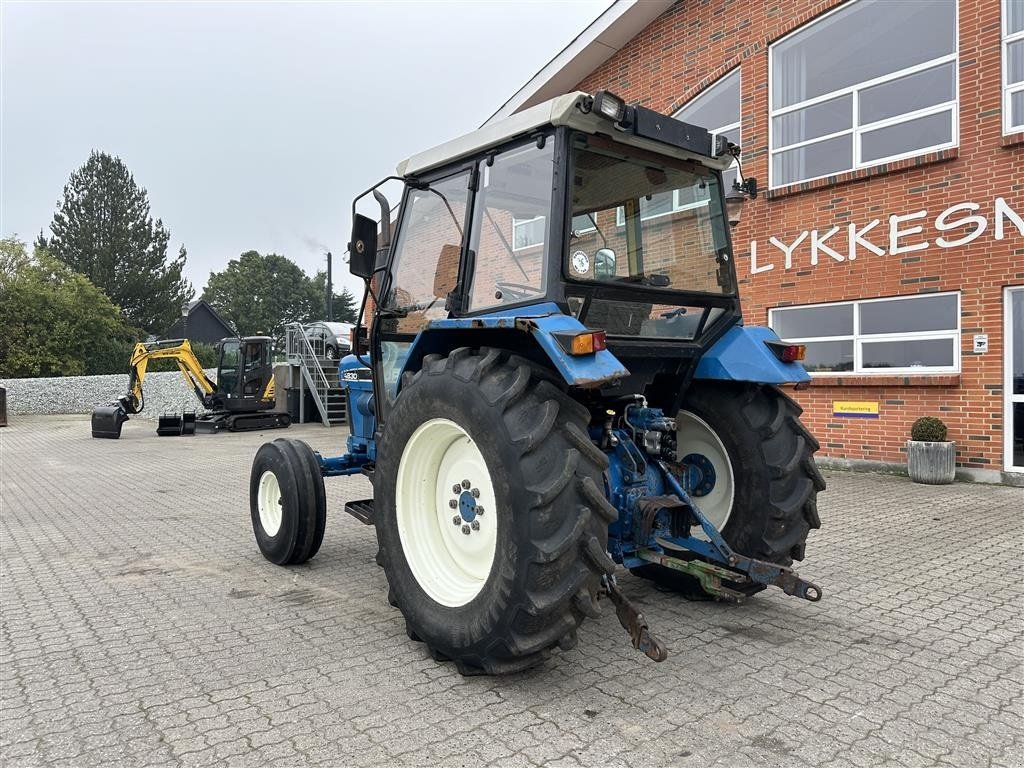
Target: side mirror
(362, 249)
(604, 264)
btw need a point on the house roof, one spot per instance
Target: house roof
(177, 328)
(602, 38)
(201, 301)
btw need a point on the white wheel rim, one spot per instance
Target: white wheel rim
(695, 436)
(451, 566)
(268, 499)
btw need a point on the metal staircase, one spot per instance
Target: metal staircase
(318, 373)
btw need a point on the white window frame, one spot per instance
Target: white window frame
(1008, 397)
(620, 212)
(1009, 90)
(858, 130)
(858, 339)
(516, 222)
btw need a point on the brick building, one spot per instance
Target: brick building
(887, 141)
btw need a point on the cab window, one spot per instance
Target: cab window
(509, 235)
(426, 261)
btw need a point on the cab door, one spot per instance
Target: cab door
(227, 370)
(423, 272)
(255, 373)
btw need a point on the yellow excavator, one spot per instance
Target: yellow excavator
(241, 398)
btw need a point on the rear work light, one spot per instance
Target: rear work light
(786, 352)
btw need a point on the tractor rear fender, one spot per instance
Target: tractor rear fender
(527, 331)
(742, 355)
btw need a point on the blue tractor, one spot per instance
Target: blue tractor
(556, 381)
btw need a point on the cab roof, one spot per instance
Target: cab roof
(570, 110)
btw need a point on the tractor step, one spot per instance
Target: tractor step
(361, 510)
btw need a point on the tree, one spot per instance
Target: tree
(55, 322)
(344, 306)
(103, 229)
(259, 294)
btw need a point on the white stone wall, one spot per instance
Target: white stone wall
(163, 392)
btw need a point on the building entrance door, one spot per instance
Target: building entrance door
(1013, 385)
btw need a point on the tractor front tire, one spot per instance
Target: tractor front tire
(492, 522)
(287, 502)
(764, 495)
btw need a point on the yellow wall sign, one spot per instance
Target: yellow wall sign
(853, 409)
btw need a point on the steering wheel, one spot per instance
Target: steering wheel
(514, 291)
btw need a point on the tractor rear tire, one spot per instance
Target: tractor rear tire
(287, 502)
(493, 591)
(774, 481)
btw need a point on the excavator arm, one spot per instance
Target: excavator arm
(178, 350)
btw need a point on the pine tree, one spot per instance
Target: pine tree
(103, 230)
(345, 307)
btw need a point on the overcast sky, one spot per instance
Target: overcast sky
(253, 125)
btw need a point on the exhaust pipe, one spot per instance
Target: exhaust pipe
(107, 421)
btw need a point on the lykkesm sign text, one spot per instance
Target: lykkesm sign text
(954, 227)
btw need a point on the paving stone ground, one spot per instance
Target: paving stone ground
(141, 626)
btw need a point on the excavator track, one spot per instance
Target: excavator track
(242, 422)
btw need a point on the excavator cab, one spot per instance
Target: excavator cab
(245, 375)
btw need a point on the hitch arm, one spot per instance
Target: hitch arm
(633, 621)
(759, 571)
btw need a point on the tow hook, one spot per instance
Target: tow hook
(633, 621)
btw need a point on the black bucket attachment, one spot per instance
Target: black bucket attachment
(107, 421)
(169, 425)
(188, 423)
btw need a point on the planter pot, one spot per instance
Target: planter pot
(931, 463)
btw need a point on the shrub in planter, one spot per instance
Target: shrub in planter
(931, 459)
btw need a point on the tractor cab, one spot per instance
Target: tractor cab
(609, 214)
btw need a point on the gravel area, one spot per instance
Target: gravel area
(163, 392)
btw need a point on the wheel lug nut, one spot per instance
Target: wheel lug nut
(466, 529)
(456, 489)
(456, 520)
(475, 525)
(479, 510)
(476, 493)
(466, 484)
(453, 503)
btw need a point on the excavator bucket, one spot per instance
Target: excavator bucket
(107, 421)
(169, 425)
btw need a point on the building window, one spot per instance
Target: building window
(904, 334)
(1013, 66)
(529, 233)
(871, 82)
(717, 108)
